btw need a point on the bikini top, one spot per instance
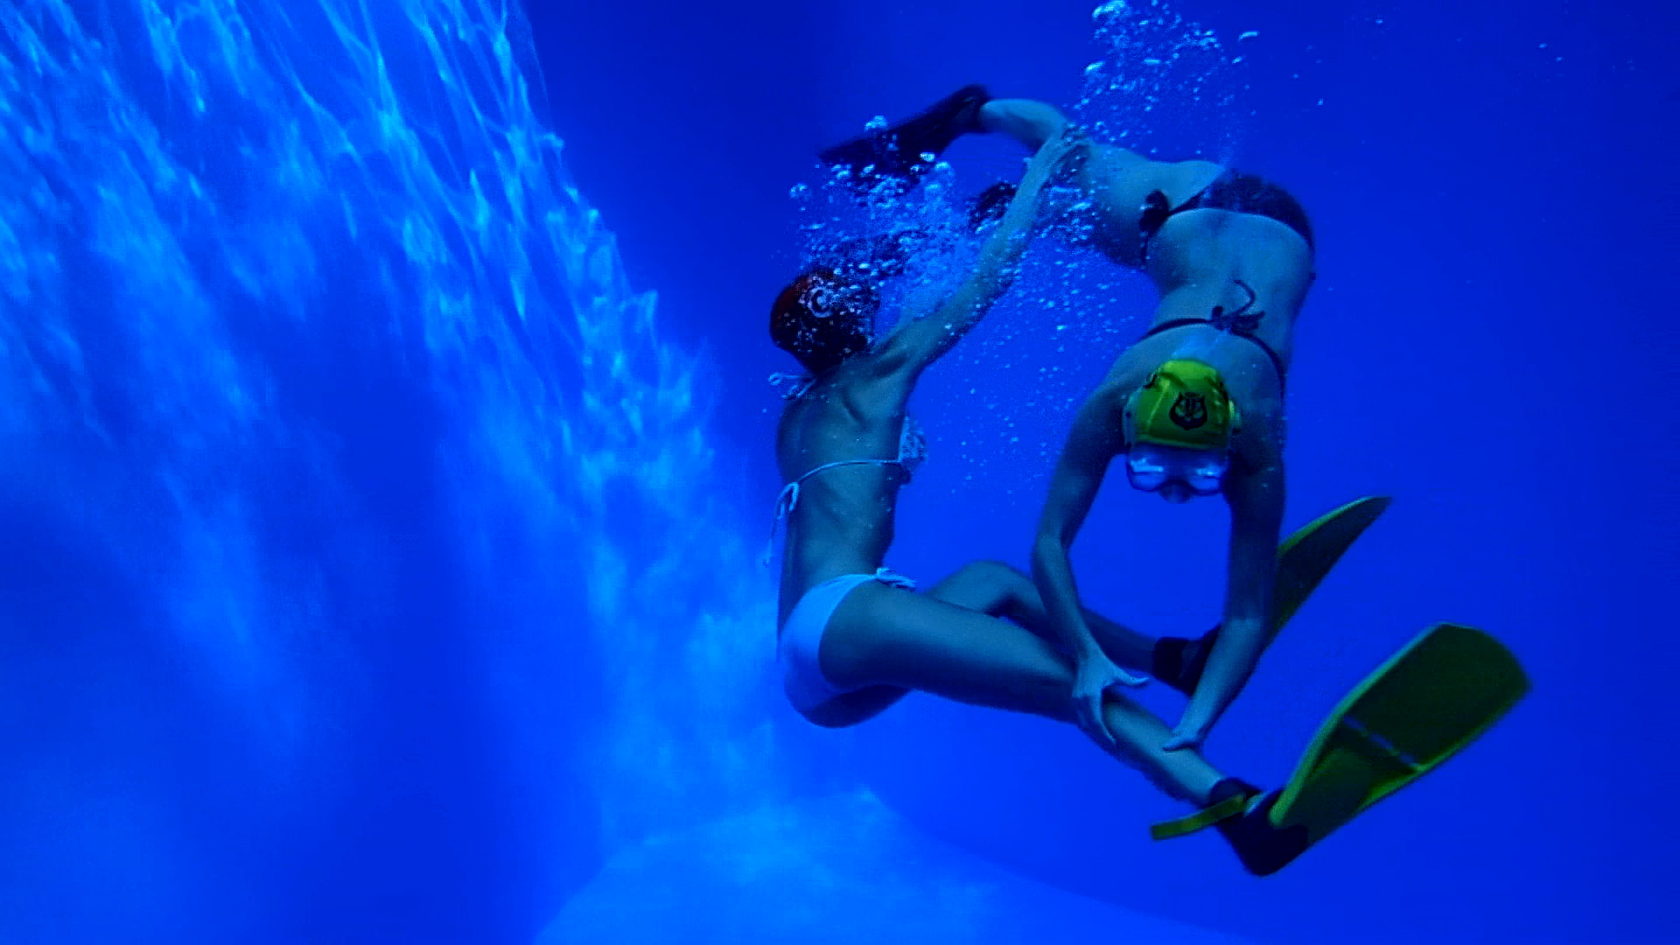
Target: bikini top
(1240, 322)
(912, 447)
(1234, 191)
(912, 451)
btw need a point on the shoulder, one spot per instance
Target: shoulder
(1107, 400)
(871, 385)
(1259, 440)
(1112, 396)
(1130, 371)
(1099, 426)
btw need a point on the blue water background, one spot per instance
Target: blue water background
(379, 559)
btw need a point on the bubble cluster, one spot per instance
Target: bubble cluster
(854, 218)
(1160, 84)
(1159, 76)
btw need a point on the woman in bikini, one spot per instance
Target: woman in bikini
(1194, 408)
(853, 637)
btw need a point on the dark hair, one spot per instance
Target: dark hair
(822, 318)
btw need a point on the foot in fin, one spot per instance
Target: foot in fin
(891, 160)
(1424, 705)
(1304, 558)
(1179, 662)
(1262, 847)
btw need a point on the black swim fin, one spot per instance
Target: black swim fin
(1241, 813)
(1261, 846)
(891, 160)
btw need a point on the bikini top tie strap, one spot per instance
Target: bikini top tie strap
(785, 502)
(788, 499)
(791, 386)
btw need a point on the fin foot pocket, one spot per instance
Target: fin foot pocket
(1425, 704)
(891, 161)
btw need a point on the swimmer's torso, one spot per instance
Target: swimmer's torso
(1200, 260)
(1197, 256)
(843, 520)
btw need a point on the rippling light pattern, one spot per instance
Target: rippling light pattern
(308, 331)
(369, 573)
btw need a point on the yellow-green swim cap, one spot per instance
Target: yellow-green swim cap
(1184, 404)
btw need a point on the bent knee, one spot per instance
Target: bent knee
(1028, 121)
(997, 574)
(987, 586)
(995, 571)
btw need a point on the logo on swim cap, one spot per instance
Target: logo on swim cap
(1189, 411)
(1183, 404)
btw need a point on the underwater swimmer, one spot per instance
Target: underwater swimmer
(851, 637)
(854, 637)
(1194, 408)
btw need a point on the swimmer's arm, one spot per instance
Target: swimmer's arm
(919, 341)
(1091, 446)
(1256, 500)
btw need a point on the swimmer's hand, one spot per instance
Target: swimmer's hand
(1095, 675)
(1061, 156)
(1190, 733)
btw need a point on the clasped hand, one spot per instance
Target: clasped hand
(1095, 675)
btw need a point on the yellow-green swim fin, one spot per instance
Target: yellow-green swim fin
(1421, 707)
(1309, 553)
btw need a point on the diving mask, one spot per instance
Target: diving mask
(1179, 427)
(1150, 466)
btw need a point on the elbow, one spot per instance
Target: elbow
(1246, 635)
(1048, 547)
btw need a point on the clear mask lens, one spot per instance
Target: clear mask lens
(1149, 467)
(1145, 473)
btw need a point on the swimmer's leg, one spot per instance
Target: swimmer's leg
(995, 588)
(894, 156)
(1030, 122)
(1179, 661)
(886, 636)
